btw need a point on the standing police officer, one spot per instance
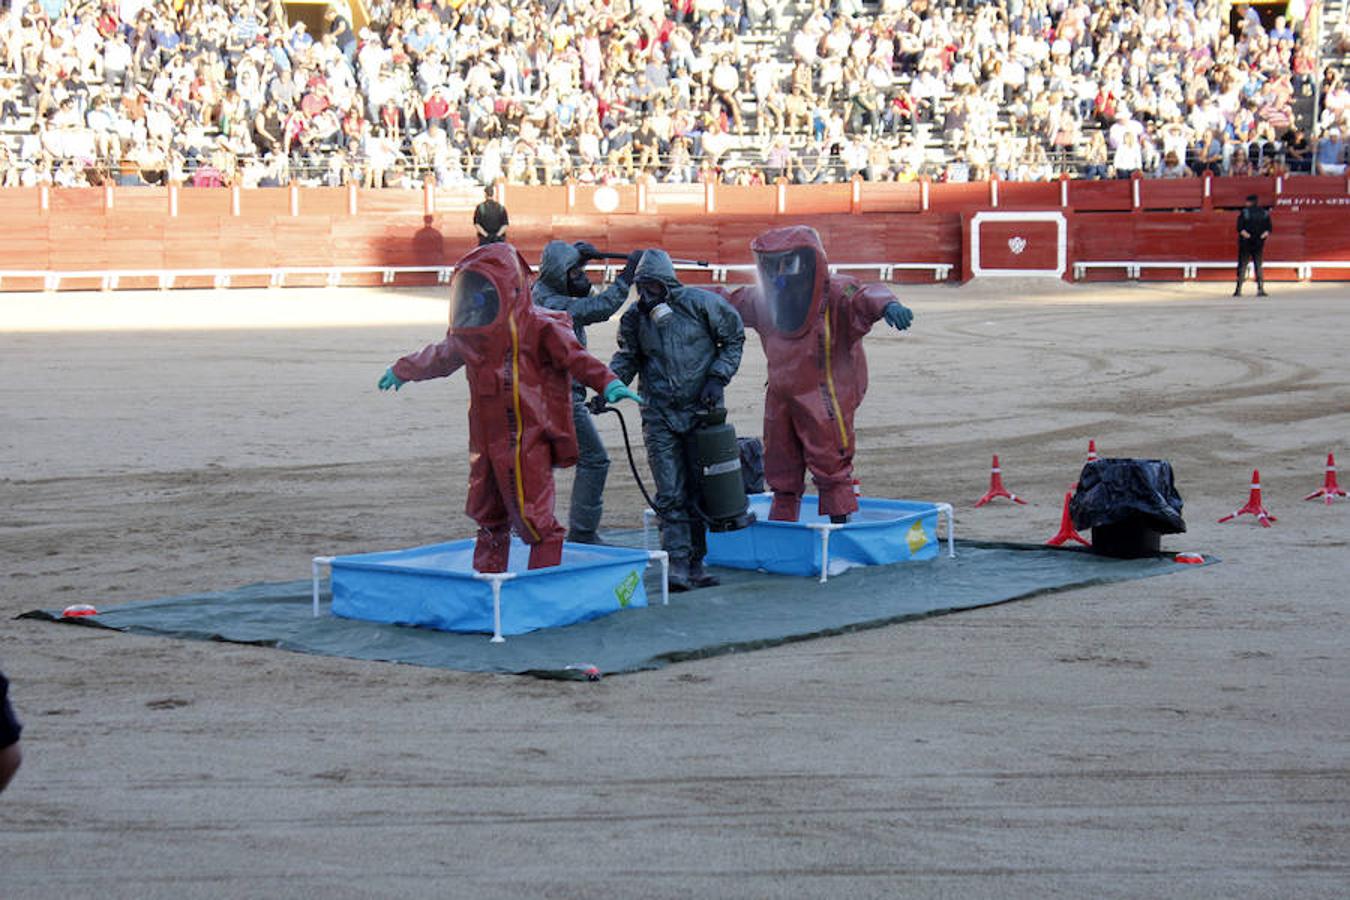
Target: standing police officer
(490, 219)
(1253, 227)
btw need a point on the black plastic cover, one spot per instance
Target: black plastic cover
(1119, 491)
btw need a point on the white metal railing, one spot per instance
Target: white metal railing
(885, 270)
(111, 279)
(1302, 270)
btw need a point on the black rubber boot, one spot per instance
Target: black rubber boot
(839, 519)
(585, 537)
(699, 576)
(679, 575)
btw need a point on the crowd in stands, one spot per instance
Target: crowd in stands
(214, 92)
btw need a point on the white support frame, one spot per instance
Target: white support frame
(318, 563)
(1061, 243)
(823, 531)
(495, 579)
(951, 527)
(663, 558)
(1302, 270)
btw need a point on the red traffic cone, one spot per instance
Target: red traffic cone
(1091, 458)
(1066, 531)
(1253, 506)
(996, 488)
(1329, 490)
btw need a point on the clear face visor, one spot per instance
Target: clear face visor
(788, 282)
(474, 301)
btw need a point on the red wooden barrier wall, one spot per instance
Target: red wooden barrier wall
(93, 229)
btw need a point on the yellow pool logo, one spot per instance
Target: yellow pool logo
(917, 538)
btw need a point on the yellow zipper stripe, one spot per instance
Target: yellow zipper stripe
(829, 382)
(520, 423)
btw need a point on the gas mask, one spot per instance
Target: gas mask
(652, 300)
(578, 285)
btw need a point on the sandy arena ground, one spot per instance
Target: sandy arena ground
(1186, 735)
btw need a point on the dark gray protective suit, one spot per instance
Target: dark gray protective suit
(702, 337)
(550, 291)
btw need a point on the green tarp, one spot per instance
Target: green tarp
(749, 611)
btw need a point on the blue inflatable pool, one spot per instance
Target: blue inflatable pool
(435, 587)
(882, 532)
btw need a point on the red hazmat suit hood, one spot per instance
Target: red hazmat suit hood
(489, 295)
(793, 272)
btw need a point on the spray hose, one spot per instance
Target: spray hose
(679, 262)
(598, 406)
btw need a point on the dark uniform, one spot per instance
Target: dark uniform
(491, 217)
(1254, 222)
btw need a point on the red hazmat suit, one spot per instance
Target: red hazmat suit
(811, 325)
(519, 359)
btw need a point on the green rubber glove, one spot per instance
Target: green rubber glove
(897, 315)
(390, 380)
(616, 390)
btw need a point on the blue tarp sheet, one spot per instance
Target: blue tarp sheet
(749, 611)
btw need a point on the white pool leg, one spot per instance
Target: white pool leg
(647, 516)
(824, 555)
(318, 563)
(496, 579)
(497, 612)
(951, 527)
(664, 558)
(824, 530)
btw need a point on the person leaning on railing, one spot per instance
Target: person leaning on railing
(1330, 153)
(1095, 156)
